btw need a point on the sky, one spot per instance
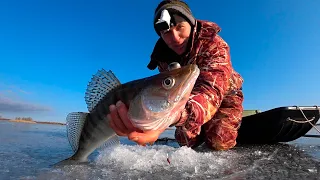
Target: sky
(49, 50)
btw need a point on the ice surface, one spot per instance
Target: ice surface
(136, 162)
(28, 151)
(145, 161)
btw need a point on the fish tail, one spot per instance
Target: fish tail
(74, 125)
(75, 122)
(77, 159)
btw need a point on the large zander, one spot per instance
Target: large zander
(154, 102)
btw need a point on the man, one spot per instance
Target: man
(214, 111)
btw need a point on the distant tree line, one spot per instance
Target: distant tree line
(24, 118)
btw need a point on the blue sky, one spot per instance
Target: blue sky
(50, 49)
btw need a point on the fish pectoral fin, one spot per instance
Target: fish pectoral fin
(101, 83)
(110, 142)
(75, 122)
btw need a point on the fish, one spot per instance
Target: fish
(153, 102)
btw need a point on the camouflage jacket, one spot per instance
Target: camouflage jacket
(217, 76)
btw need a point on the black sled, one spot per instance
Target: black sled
(282, 124)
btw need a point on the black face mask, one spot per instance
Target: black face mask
(162, 53)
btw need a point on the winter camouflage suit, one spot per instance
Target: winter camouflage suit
(214, 111)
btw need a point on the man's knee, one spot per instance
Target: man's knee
(223, 140)
(222, 134)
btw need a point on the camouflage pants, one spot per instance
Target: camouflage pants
(221, 132)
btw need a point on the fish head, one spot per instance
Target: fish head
(165, 95)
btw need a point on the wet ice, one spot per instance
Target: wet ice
(28, 151)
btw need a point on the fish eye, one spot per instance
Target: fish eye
(168, 83)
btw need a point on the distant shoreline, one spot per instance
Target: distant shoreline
(43, 122)
(31, 122)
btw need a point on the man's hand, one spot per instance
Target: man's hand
(142, 138)
(119, 121)
(121, 124)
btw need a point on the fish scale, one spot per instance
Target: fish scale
(88, 131)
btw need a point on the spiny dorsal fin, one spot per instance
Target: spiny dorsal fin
(75, 122)
(101, 83)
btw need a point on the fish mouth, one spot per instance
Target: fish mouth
(164, 118)
(178, 100)
(184, 88)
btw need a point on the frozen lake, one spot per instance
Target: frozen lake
(27, 151)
